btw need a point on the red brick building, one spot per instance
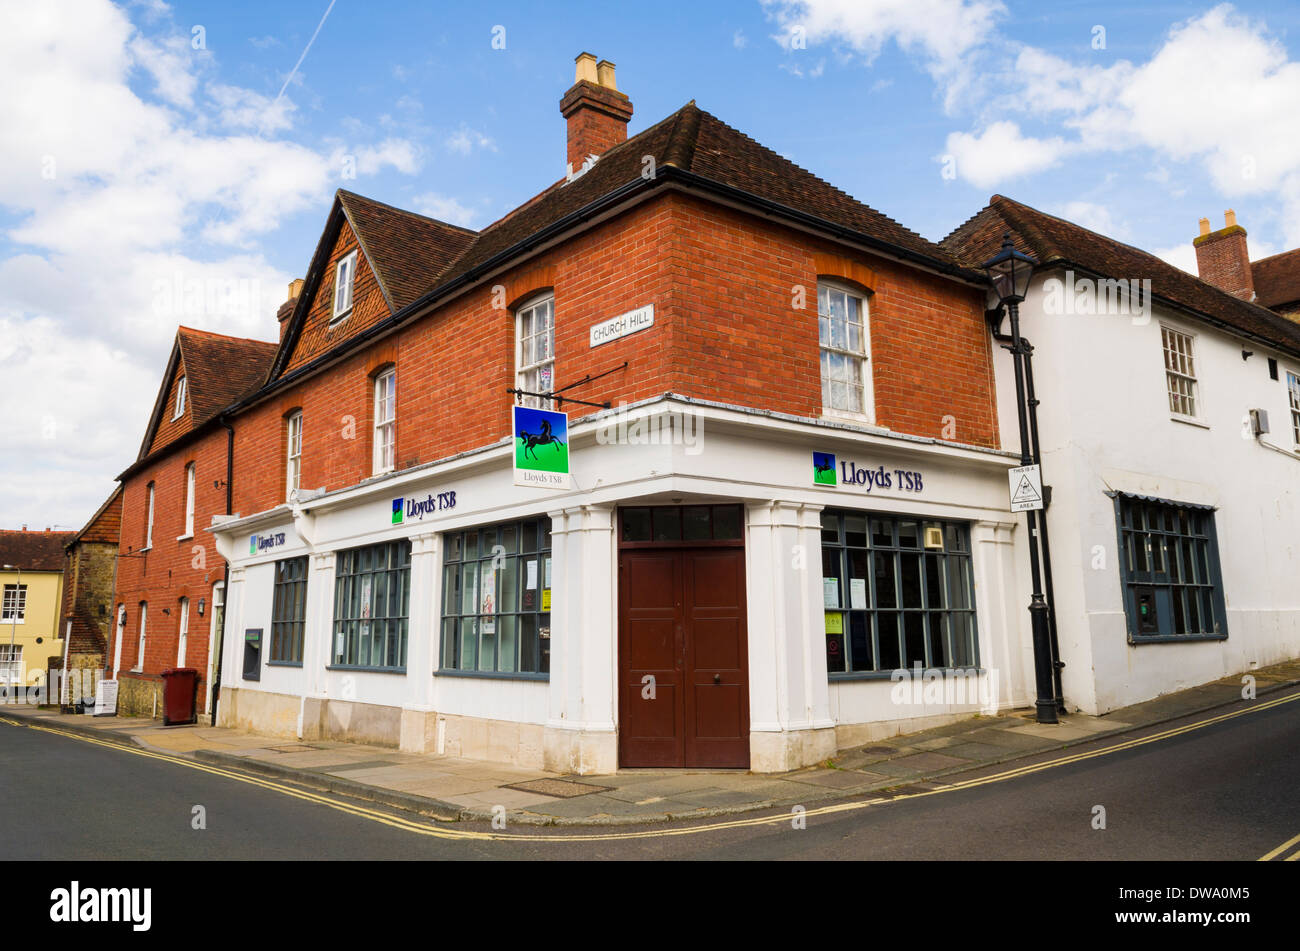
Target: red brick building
(169, 575)
(798, 487)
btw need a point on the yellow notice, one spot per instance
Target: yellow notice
(546, 599)
(834, 622)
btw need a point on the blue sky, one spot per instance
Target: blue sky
(137, 161)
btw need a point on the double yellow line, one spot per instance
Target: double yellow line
(1281, 849)
(430, 827)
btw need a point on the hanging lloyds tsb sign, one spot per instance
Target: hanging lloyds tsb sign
(541, 440)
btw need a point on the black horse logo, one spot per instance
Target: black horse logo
(823, 465)
(544, 438)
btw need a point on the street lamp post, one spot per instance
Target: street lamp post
(1010, 271)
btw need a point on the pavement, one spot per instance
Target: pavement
(451, 788)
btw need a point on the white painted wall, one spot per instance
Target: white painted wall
(1105, 425)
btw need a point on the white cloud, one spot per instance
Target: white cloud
(444, 209)
(1001, 153)
(134, 207)
(1094, 217)
(1181, 256)
(739, 40)
(465, 140)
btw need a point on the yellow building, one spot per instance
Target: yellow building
(31, 587)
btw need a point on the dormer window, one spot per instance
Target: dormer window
(180, 399)
(344, 277)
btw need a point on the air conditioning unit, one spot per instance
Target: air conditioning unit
(1259, 421)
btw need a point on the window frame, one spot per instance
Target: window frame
(140, 643)
(19, 601)
(349, 261)
(539, 548)
(386, 427)
(1197, 397)
(148, 528)
(523, 371)
(11, 663)
(183, 632)
(863, 358)
(1293, 403)
(189, 502)
(290, 589)
(401, 572)
(293, 453)
(1129, 586)
(958, 545)
(179, 410)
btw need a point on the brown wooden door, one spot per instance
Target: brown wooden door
(682, 622)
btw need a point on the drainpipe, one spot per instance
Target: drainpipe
(225, 583)
(1046, 547)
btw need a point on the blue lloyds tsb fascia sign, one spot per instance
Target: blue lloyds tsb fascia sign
(827, 473)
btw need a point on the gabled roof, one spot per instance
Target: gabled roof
(105, 525)
(219, 370)
(33, 551)
(416, 257)
(1059, 242)
(1277, 279)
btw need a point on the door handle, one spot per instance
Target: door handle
(717, 678)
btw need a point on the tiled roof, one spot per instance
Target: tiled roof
(1054, 240)
(408, 252)
(1277, 279)
(33, 551)
(105, 525)
(697, 142)
(221, 369)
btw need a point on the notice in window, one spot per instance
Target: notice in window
(831, 592)
(834, 622)
(546, 599)
(858, 593)
(531, 580)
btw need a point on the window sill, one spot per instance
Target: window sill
(184, 538)
(145, 550)
(855, 419)
(284, 663)
(352, 668)
(339, 318)
(11, 621)
(491, 675)
(1138, 641)
(1189, 420)
(891, 675)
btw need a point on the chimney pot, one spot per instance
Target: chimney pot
(605, 73)
(286, 309)
(585, 69)
(1230, 219)
(1205, 226)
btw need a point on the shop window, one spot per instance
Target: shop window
(15, 604)
(842, 331)
(496, 599)
(1169, 564)
(535, 356)
(680, 523)
(897, 592)
(288, 611)
(372, 592)
(1180, 371)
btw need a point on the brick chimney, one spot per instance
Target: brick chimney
(597, 112)
(286, 309)
(1223, 259)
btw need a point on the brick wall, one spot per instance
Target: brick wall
(172, 569)
(726, 328)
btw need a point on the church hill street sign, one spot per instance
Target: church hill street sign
(623, 325)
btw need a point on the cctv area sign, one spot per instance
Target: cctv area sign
(1026, 486)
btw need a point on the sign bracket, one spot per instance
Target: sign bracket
(561, 400)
